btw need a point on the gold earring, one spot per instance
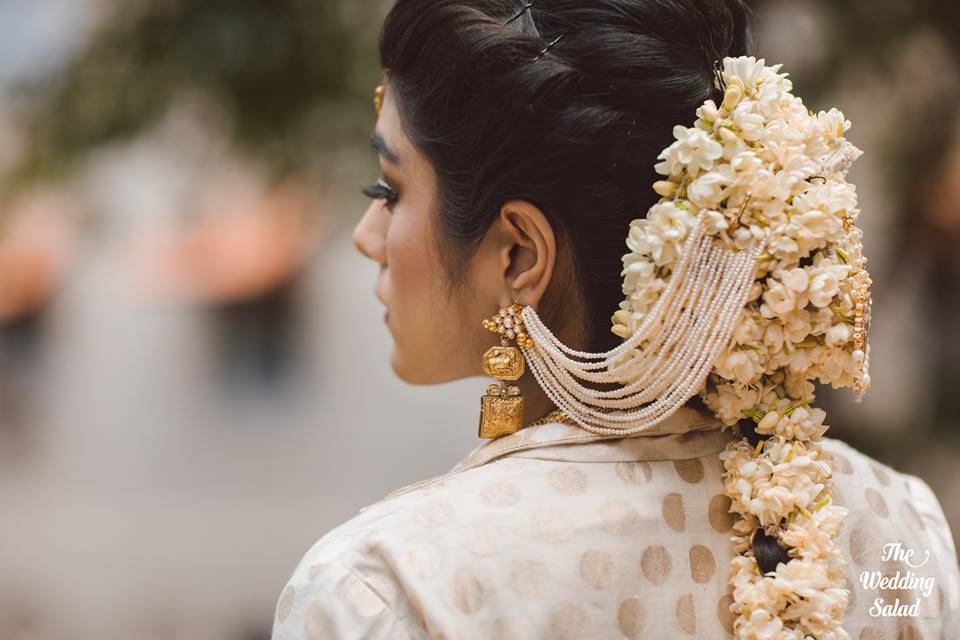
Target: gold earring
(501, 408)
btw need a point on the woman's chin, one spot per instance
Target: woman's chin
(402, 369)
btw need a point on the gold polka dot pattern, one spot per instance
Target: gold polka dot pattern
(569, 537)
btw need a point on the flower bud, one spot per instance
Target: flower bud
(665, 188)
(621, 330)
(621, 316)
(731, 97)
(768, 422)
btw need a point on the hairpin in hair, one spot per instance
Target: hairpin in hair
(718, 73)
(526, 7)
(548, 47)
(623, 175)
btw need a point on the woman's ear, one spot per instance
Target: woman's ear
(527, 252)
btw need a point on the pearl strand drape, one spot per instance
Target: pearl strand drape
(666, 359)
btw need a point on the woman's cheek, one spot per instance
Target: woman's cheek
(408, 266)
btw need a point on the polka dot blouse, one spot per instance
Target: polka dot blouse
(558, 533)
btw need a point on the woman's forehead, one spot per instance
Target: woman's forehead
(388, 138)
(392, 142)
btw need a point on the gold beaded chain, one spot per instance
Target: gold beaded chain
(557, 415)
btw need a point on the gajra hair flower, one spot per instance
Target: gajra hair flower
(762, 169)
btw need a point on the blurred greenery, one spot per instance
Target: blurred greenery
(870, 37)
(294, 75)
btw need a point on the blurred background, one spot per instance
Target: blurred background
(192, 360)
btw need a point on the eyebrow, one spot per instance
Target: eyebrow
(378, 143)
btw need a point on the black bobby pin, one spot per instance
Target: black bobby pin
(547, 48)
(718, 72)
(526, 7)
(626, 182)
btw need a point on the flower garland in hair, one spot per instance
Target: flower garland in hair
(762, 165)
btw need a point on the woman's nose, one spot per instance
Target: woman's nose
(369, 236)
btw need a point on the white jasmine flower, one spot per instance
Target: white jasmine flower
(715, 222)
(823, 287)
(832, 123)
(783, 246)
(645, 296)
(744, 366)
(706, 191)
(778, 300)
(773, 337)
(802, 578)
(817, 224)
(764, 625)
(708, 111)
(839, 334)
(794, 279)
(693, 151)
(832, 198)
(673, 222)
(748, 70)
(638, 273)
(749, 122)
(747, 331)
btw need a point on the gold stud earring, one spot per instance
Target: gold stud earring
(501, 408)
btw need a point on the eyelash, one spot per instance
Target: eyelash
(380, 190)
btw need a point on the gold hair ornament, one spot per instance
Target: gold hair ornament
(378, 94)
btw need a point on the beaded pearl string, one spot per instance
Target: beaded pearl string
(669, 355)
(672, 311)
(668, 300)
(680, 390)
(681, 387)
(653, 375)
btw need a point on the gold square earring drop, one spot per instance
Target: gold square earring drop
(501, 407)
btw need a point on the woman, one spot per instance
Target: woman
(518, 140)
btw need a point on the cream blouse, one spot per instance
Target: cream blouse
(555, 532)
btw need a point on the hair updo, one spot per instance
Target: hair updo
(575, 132)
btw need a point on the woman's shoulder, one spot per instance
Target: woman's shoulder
(387, 559)
(888, 492)
(871, 488)
(348, 583)
(895, 525)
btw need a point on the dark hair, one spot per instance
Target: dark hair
(575, 132)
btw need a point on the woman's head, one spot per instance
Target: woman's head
(517, 178)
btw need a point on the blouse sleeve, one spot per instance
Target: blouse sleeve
(934, 522)
(334, 601)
